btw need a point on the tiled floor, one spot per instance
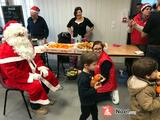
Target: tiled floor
(67, 106)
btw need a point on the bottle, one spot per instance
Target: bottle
(78, 39)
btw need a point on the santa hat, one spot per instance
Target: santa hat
(35, 9)
(13, 29)
(9, 23)
(145, 5)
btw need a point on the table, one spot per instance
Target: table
(127, 51)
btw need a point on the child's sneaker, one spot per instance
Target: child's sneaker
(115, 97)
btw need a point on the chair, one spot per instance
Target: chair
(6, 94)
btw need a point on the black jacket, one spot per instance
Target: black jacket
(39, 29)
(87, 94)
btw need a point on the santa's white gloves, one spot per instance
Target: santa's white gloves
(43, 71)
(36, 76)
(33, 76)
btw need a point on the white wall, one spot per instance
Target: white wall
(105, 14)
(2, 3)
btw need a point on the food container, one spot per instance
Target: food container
(60, 48)
(72, 74)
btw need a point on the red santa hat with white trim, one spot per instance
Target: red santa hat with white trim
(9, 23)
(12, 29)
(35, 9)
(145, 5)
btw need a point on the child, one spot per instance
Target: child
(86, 92)
(142, 85)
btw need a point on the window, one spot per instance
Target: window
(149, 1)
(2, 3)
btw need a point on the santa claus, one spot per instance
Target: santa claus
(21, 68)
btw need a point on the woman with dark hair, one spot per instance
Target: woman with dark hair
(77, 25)
(106, 68)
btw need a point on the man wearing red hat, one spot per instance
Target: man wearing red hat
(138, 23)
(37, 26)
(152, 31)
(21, 68)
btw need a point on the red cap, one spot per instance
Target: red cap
(35, 9)
(8, 24)
(145, 5)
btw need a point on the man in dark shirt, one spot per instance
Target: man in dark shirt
(37, 26)
(152, 30)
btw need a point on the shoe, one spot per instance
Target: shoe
(61, 88)
(41, 111)
(52, 102)
(115, 97)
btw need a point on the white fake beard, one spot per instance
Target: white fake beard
(22, 46)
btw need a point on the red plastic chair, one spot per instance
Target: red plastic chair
(6, 94)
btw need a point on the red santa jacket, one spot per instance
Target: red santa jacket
(15, 69)
(136, 38)
(111, 84)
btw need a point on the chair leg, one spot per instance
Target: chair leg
(5, 102)
(47, 62)
(22, 93)
(63, 68)
(58, 65)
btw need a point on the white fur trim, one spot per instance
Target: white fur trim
(42, 102)
(30, 79)
(17, 36)
(50, 86)
(42, 67)
(10, 59)
(34, 11)
(146, 5)
(40, 49)
(32, 65)
(55, 88)
(139, 27)
(13, 30)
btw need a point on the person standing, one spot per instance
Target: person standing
(37, 26)
(87, 94)
(138, 24)
(128, 61)
(38, 30)
(152, 31)
(77, 26)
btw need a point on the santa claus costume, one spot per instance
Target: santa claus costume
(21, 68)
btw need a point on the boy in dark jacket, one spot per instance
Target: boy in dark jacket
(87, 93)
